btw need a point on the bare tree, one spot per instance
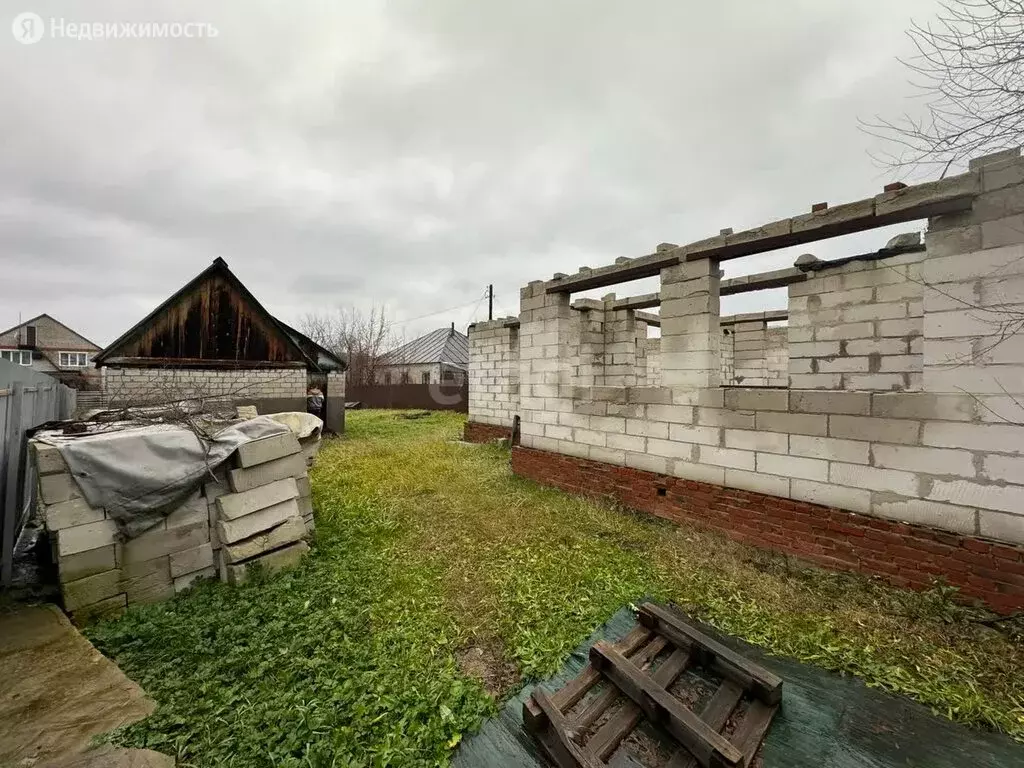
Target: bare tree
(970, 68)
(361, 338)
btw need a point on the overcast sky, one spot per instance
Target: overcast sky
(409, 153)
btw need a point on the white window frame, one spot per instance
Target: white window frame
(64, 359)
(22, 354)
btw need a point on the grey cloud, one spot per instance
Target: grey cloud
(409, 153)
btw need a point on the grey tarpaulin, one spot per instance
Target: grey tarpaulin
(826, 721)
(140, 473)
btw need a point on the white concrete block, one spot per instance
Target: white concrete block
(850, 403)
(273, 561)
(923, 405)
(262, 474)
(830, 449)
(757, 400)
(194, 509)
(48, 459)
(673, 414)
(757, 482)
(922, 512)
(669, 449)
(162, 541)
(56, 488)
(874, 429)
(267, 449)
(793, 423)
(291, 530)
(790, 466)
(1005, 498)
(699, 473)
(770, 442)
(181, 583)
(727, 457)
(687, 434)
(80, 538)
(190, 560)
(1001, 526)
(231, 531)
(630, 443)
(873, 478)
(935, 461)
(828, 495)
(647, 462)
(1001, 438)
(65, 514)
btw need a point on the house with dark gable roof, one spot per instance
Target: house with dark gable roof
(212, 339)
(441, 356)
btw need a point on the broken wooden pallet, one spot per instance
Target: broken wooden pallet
(588, 735)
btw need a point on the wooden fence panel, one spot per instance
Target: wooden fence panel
(429, 397)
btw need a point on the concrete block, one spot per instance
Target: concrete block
(195, 509)
(828, 495)
(65, 514)
(181, 583)
(104, 609)
(190, 560)
(687, 434)
(147, 581)
(273, 561)
(876, 430)
(235, 505)
(1000, 526)
(755, 400)
(922, 512)
(160, 542)
(647, 462)
(608, 455)
(727, 457)
(757, 482)
(816, 381)
(674, 414)
(790, 466)
(57, 488)
(81, 538)
(700, 473)
(873, 478)
(996, 438)
(769, 442)
(48, 459)
(88, 563)
(829, 448)
(935, 461)
(843, 331)
(670, 449)
(263, 474)
(719, 417)
(289, 531)
(1001, 497)
(213, 491)
(302, 484)
(1007, 468)
(231, 531)
(305, 504)
(631, 443)
(91, 589)
(923, 405)
(849, 403)
(793, 423)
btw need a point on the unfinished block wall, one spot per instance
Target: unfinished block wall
(903, 404)
(494, 371)
(751, 353)
(270, 389)
(858, 326)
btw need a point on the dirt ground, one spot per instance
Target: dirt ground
(57, 692)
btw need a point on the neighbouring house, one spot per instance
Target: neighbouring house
(46, 345)
(439, 356)
(212, 339)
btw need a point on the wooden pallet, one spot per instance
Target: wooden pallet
(567, 733)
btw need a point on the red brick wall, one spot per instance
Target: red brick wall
(475, 432)
(906, 555)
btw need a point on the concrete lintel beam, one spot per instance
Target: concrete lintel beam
(768, 316)
(778, 278)
(650, 318)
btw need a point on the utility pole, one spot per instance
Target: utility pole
(490, 301)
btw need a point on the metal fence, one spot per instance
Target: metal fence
(431, 397)
(27, 399)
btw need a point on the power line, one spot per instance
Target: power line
(438, 312)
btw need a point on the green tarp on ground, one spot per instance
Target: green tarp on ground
(826, 721)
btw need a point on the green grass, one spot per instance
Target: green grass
(427, 547)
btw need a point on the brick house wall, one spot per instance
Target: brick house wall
(52, 338)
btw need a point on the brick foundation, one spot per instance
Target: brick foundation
(476, 432)
(905, 555)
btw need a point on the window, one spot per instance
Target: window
(73, 359)
(425, 378)
(448, 376)
(17, 356)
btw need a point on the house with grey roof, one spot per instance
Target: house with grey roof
(439, 356)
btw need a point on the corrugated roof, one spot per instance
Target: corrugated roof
(445, 345)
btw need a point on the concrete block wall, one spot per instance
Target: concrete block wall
(101, 573)
(652, 361)
(858, 326)
(270, 389)
(752, 354)
(494, 371)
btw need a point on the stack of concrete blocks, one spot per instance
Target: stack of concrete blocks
(259, 509)
(494, 372)
(858, 326)
(619, 346)
(99, 574)
(776, 356)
